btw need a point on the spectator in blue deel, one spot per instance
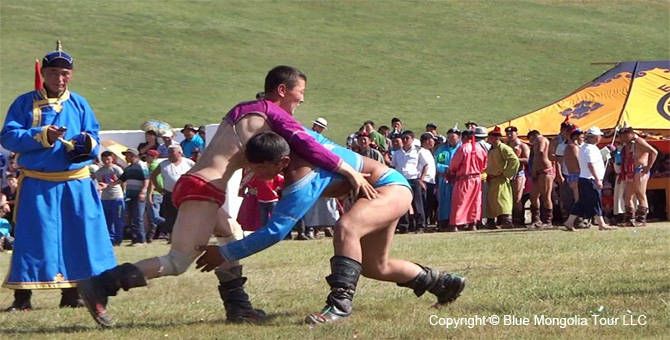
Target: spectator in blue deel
(192, 140)
(61, 233)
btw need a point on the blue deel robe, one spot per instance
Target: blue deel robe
(61, 233)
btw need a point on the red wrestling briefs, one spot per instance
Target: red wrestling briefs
(192, 187)
(549, 172)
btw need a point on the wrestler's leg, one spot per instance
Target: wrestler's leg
(575, 190)
(640, 188)
(628, 196)
(640, 184)
(362, 242)
(230, 275)
(547, 207)
(360, 220)
(535, 191)
(517, 191)
(547, 184)
(194, 225)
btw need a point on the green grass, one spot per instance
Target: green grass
(552, 273)
(190, 61)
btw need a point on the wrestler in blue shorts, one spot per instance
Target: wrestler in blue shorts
(362, 236)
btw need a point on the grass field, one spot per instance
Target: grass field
(423, 61)
(551, 273)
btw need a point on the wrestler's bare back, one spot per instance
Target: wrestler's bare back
(541, 155)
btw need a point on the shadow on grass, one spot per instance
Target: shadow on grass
(134, 325)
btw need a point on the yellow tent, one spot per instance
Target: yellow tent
(637, 93)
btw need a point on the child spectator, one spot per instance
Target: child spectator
(248, 216)
(10, 196)
(6, 239)
(113, 203)
(267, 192)
(608, 201)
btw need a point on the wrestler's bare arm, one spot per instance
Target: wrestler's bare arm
(645, 148)
(553, 145)
(524, 154)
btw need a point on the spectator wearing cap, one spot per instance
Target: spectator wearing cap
(466, 168)
(320, 125)
(171, 169)
(365, 148)
(151, 143)
(112, 198)
(479, 133)
(443, 156)
(471, 125)
(202, 132)
(136, 178)
(396, 125)
(591, 177)
(377, 138)
(502, 165)
(155, 199)
(522, 152)
(432, 128)
(167, 141)
(191, 140)
(352, 139)
(427, 177)
(406, 161)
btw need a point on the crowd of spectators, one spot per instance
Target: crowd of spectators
(136, 194)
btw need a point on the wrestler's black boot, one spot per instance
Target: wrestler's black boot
(518, 218)
(70, 298)
(95, 290)
(535, 221)
(546, 216)
(342, 280)
(505, 221)
(641, 216)
(445, 286)
(235, 299)
(21, 301)
(629, 217)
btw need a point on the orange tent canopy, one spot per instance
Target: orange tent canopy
(636, 93)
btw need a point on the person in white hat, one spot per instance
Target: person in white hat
(319, 125)
(590, 183)
(167, 141)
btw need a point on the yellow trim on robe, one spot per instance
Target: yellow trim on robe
(59, 176)
(40, 285)
(43, 138)
(46, 176)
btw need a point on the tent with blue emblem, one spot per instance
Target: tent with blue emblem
(636, 93)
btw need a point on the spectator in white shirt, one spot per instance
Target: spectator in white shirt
(592, 173)
(427, 177)
(171, 169)
(406, 161)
